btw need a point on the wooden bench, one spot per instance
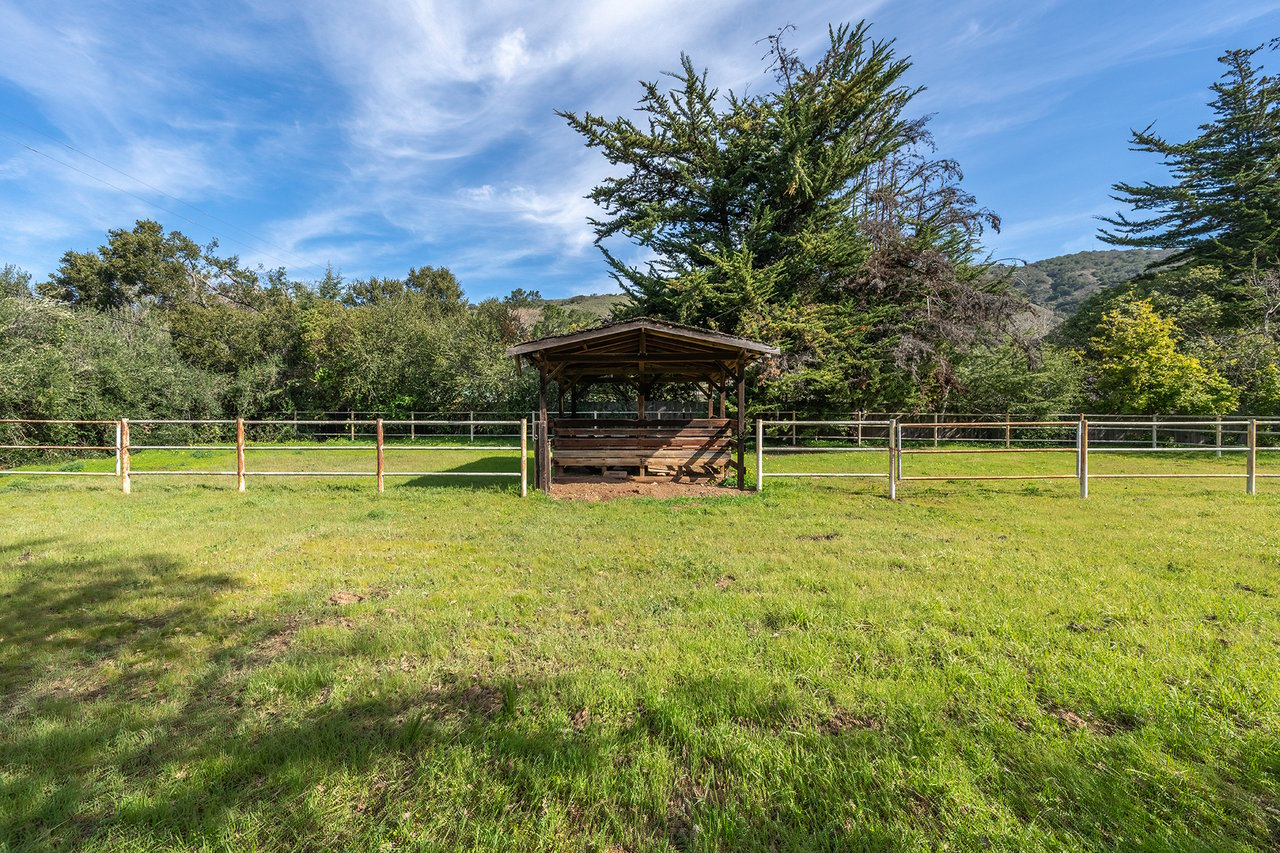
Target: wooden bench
(697, 447)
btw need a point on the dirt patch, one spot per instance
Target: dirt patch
(1119, 723)
(342, 597)
(581, 719)
(724, 581)
(819, 537)
(661, 489)
(1244, 587)
(843, 721)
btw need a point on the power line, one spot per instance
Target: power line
(304, 265)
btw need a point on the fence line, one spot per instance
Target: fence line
(898, 445)
(124, 450)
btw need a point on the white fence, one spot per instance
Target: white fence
(894, 440)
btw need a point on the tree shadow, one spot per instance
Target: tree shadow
(140, 709)
(457, 477)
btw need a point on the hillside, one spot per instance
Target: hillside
(597, 304)
(1063, 282)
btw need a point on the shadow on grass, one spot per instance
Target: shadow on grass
(140, 710)
(457, 476)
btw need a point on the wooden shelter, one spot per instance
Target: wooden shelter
(641, 354)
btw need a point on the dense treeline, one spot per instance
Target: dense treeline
(152, 325)
(815, 216)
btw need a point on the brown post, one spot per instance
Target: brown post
(125, 485)
(640, 402)
(711, 403)
(378, 440)
(1008, 432)
(722, 403)
(544, 444)
(742, 428)
(240, 454)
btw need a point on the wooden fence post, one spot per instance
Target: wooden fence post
(1082, 456)
(471, 416)
(893, 460)
(117, 448)
(240, 454)
(1153, 432)
(935, 429)
(760, 453)
(125, 485)
(1251, 480)
(351, 422)
(1008, 431)
(524, 458)
(378, 441)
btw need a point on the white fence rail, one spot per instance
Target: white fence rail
(897, 439)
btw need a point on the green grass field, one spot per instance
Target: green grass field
(311, 665)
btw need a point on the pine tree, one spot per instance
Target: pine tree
(1223, 206)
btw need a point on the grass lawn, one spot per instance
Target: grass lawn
(312, 665)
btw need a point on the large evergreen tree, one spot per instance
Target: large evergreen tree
(1223, 205)
(813, 214)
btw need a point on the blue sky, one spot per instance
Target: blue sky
(378, 136)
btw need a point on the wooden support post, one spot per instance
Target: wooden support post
(125, 485)
(1153, 431)
(1251, 461)
(239, 454)
(117, 448)
(1218, 438)
(524, 458)
(378, 436)
(722, 404)
(351, 423)
(641, 402)
(711, 404)
(742, 428)
(893, 460)
(759, 454)
(1008, 432)
(935, 429)
(413, 426)
(861, 417)
(1082, 456)
(471, 418)
(543, 444)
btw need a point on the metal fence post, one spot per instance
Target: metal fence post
(760, 453)
(524, 458)
(894, 460)
(1251, 481)
(125, 485)
(1082, 456)
(240, 454)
